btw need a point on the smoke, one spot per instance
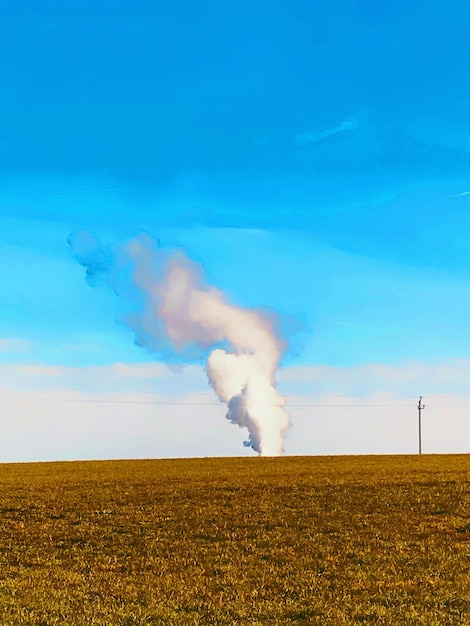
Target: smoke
(177, 310)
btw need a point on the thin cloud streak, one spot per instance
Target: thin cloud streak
(409, 379)
(315, 136)
(14, 345)
(406, 379)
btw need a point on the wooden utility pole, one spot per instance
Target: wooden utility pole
(420, 408)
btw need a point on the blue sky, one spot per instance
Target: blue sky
(314, 157)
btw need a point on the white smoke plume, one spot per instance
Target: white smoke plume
(179, 310)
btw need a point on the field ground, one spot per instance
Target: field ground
(294, 540)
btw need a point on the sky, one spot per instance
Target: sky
(312, 157)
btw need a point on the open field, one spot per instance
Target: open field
(320, 540)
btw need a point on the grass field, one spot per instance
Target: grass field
(300, 540)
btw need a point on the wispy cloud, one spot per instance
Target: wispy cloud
(111, 377)
(405, 379)
(314, 136)
(14, 345)
(85, 348)
(451, 376)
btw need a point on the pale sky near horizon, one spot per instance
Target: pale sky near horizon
(313, 157)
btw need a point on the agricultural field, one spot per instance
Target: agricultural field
(252, 541)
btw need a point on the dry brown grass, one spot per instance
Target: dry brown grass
(321, 540)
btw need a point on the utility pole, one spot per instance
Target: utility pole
(420, 408)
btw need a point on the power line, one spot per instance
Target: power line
(206, 394)
(186, 403)
(165, 402)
